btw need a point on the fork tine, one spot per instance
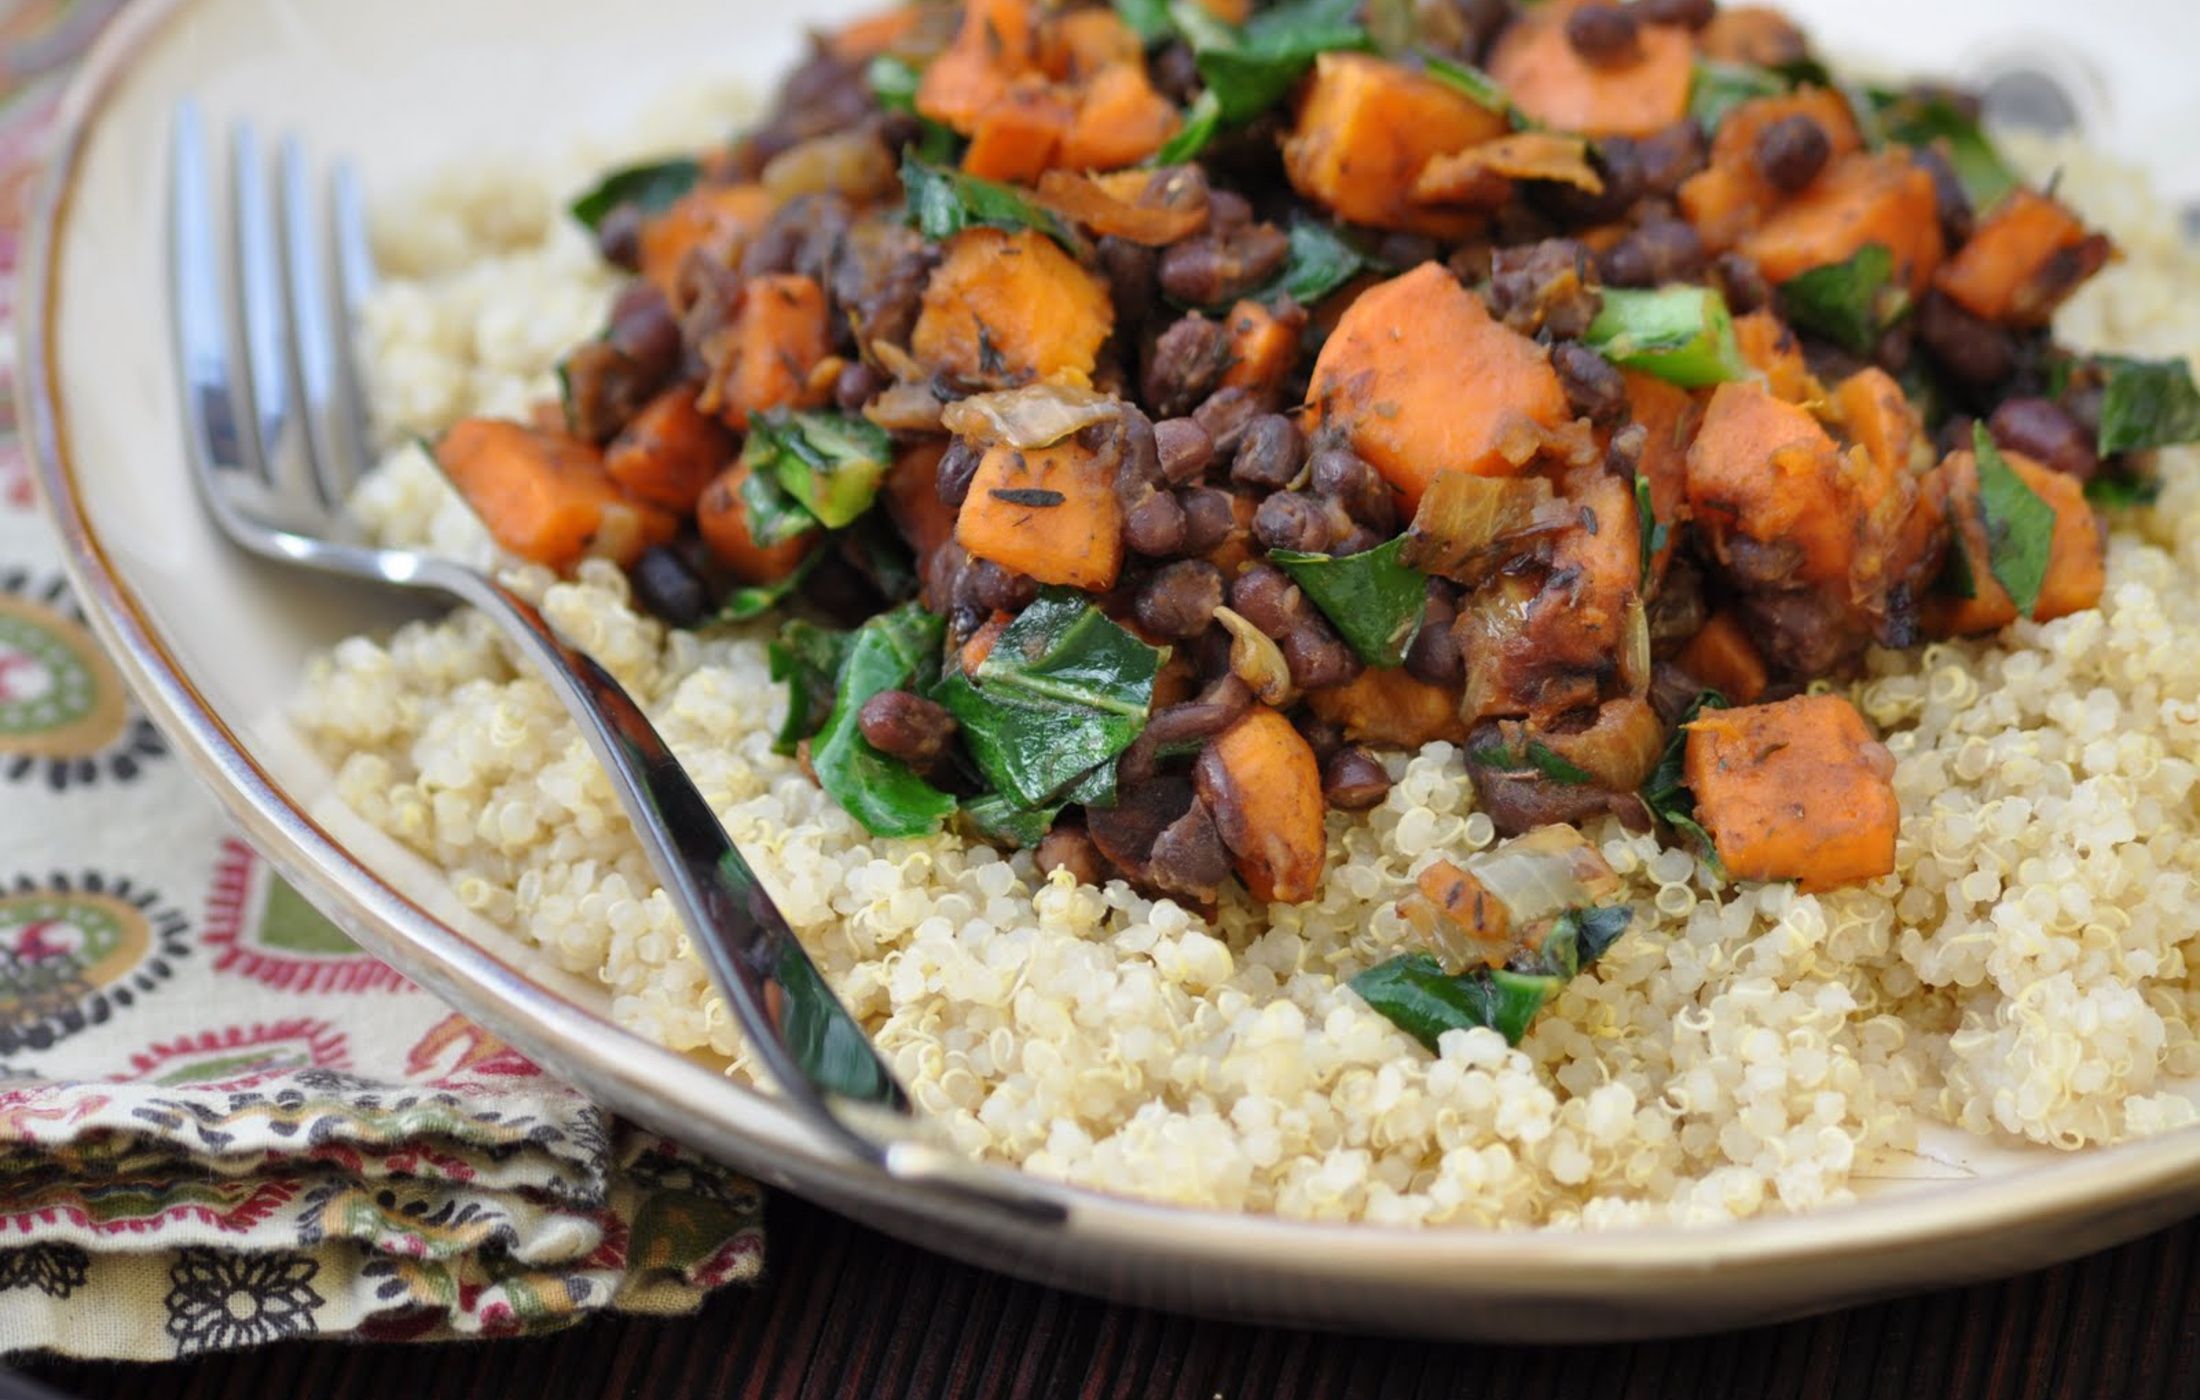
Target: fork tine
(354, 284)
(195, 308)
(260, 298)
(312, 332)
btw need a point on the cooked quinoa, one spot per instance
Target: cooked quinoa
(2024, 973)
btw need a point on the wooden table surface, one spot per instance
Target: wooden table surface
(846, 1311)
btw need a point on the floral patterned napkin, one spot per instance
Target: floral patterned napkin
(221, 1123)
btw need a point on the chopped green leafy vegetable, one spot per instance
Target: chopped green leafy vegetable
(1063, 692)
(1004, 819)
(2146, 403)
(650, 188)
(775, 516)
(1148, 19)
(2123, 492)
(942, 203)
(2020, 527)
(807, 659)
(1850, 303)
(1321, 260)
(1666, 792)
(1925, 119)
(756, 599)
(893, 81)
(1251, 68)
(1536, 755)
(892, 651)
(1681, 334)
(1201, 121)
(1374, 601)
(1472, 83)
(830, 463)
(1415, 993)
(1654, 532)
(1718, 88)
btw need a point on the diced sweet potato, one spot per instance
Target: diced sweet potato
(1006, 307)
(778, 337)
(1882, 198)
(1765, 468)
(1018, 134)
(1796, 790)
(722, 518)
(1080, 43)
(2026, 256)
(1548, 79)
(1730, 195)
(1722, 656)
(545, 496)
(1260, 780)
(1263, 346)
(1120, 120)
(997, 42)
(1878, 417)
(1776, 352)
(973, 653)
(669, 451)
(911, 495)
(1424, 381)
(1668, 415)
(2076, 560)
(861, 40)
(1049, 512)
(1365, 130)
(1390, 707)
(718, 219)
(1755, 36)
(1578, 623)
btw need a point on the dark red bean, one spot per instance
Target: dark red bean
(2045, 432)
(1594, 390)
(1354, 780)
(902, 724)
(1695, 14)
(1317, 657)
(1270, 453)
(670, 588)
(1265, 596)
(1226, 414)
(1345, 477)
(619, 237)
(958, 464)
(1321, 736)
(1434, 656)
(1606, 36)
(1180, 600)
(1951, 203)
(1186, 363)
(1184, 448)
(1188, 857)
(1129, 269)
(1670, 156)
(1155, 526)
(1294, 520)
(1548, 285)
(1741, 283)
(856, 385)
(986, 585)
(1791, 151)
(1208, 518)
(1219, 266)
(1067, 847)
(1662, 250)
(1973, 350)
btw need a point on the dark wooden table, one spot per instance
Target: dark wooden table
(844, 1311)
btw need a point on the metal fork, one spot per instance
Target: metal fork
(275, 448)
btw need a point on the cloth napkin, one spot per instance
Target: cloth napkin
(221, 1122)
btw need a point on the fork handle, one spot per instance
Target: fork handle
(814, 1051)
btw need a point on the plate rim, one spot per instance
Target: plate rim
(575, 1041)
